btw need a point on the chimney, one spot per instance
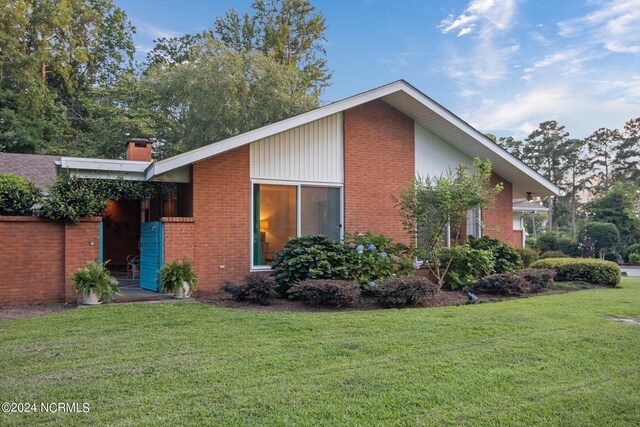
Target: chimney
(139, 149)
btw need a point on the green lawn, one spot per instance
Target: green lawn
(546, 360)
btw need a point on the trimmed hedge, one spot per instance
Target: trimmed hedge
(594, 271)
(504, 284)
(260, 288)
(17, 195)
(405, 290)
(326, 292)
(538, 278)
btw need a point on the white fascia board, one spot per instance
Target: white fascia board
(530, 209)
(105, 168)
(479, 137)
(210, 150)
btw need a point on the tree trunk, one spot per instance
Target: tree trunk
(550, 216)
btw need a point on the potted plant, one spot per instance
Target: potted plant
(95, 283)
(178, 277)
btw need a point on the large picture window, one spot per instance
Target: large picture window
(284, 211)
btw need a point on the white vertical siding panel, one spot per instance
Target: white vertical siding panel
(311, 153)
(434, 156)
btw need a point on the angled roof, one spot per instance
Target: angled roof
(41, 170)
(411, 102)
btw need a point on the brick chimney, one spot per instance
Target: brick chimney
(139, 149)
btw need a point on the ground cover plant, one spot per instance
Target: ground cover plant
(545, 360)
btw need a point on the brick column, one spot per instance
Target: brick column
(81, 244)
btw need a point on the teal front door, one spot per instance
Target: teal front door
(151, 256)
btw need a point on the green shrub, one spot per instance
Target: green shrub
(339, 293)
(614, 257)
(528, 256)
(634, 259)
(604, 235)
(553, 254)
(631, 249)
(531, 242)
(504, 284)
(558, 241)
(17, 195)
(174, 273)
(405, 290)
(95, 277)
(311, 257)
(594, 271)
(538, 278)
(506, 258)
(466, 264)
(375, 258)
(260, 288)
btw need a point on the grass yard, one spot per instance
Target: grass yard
(545, 360)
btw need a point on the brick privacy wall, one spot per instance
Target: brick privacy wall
(37, 258)
(498, 219)
(379, 160)
(179, 237)
(221, 211)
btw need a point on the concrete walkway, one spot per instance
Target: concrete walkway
(631, 270)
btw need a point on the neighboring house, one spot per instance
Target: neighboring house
(522, 208)
(331, 170)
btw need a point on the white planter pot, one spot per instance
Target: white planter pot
(182, 292)
(90, 298)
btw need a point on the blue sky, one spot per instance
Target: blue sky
(502, 65)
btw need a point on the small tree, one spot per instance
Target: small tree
(429, 204)
(604, 235)
(17, 195)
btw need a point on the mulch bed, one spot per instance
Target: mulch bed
(444, 297)
(30, 310)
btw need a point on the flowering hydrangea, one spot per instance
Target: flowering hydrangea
(371, 247)
(416, 266)
(383, 254)
(359, 249)
(372, 284)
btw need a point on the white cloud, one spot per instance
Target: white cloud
(153, 31)
(614, 25)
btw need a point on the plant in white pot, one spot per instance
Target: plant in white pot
(95, 283)
(178, 277)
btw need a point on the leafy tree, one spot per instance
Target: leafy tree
(627, 161)
(604, 236)
(512, 145)
(226, 92)
(17, 195)
(174, 50)
(289, 31)
(576, 180)
(618, 206)
(429, 204)
(546, 150)
(603, 145)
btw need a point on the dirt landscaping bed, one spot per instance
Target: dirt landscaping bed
(31, 310)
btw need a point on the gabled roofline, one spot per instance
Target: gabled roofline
(228, 144)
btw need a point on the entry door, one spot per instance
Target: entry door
(151, 256)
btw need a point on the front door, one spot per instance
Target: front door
(151, 256)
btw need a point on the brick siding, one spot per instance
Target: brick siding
(39, 256)
(179, 238)
(498, 219)
(378, 163)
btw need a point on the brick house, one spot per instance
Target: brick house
(234, 203)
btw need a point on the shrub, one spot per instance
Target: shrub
(538, 278)
(631, 249)
(375, 258)
(260, 288)
(403, 291)
(614, 257)
(95, 277)
(311, 257)
(558, 241)
(553, 254)
(528, 256)
(506, 258)
(326, 292)
(531, 242)
(634, 259)
(604, 235)
(467, 264)
(504, 284)
(17, 195)
(594, 271)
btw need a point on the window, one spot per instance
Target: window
(284, 211)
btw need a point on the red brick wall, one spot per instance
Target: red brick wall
(179, 235)
(378, 162)
(38, 256)
(498, 219)
(221, 211)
